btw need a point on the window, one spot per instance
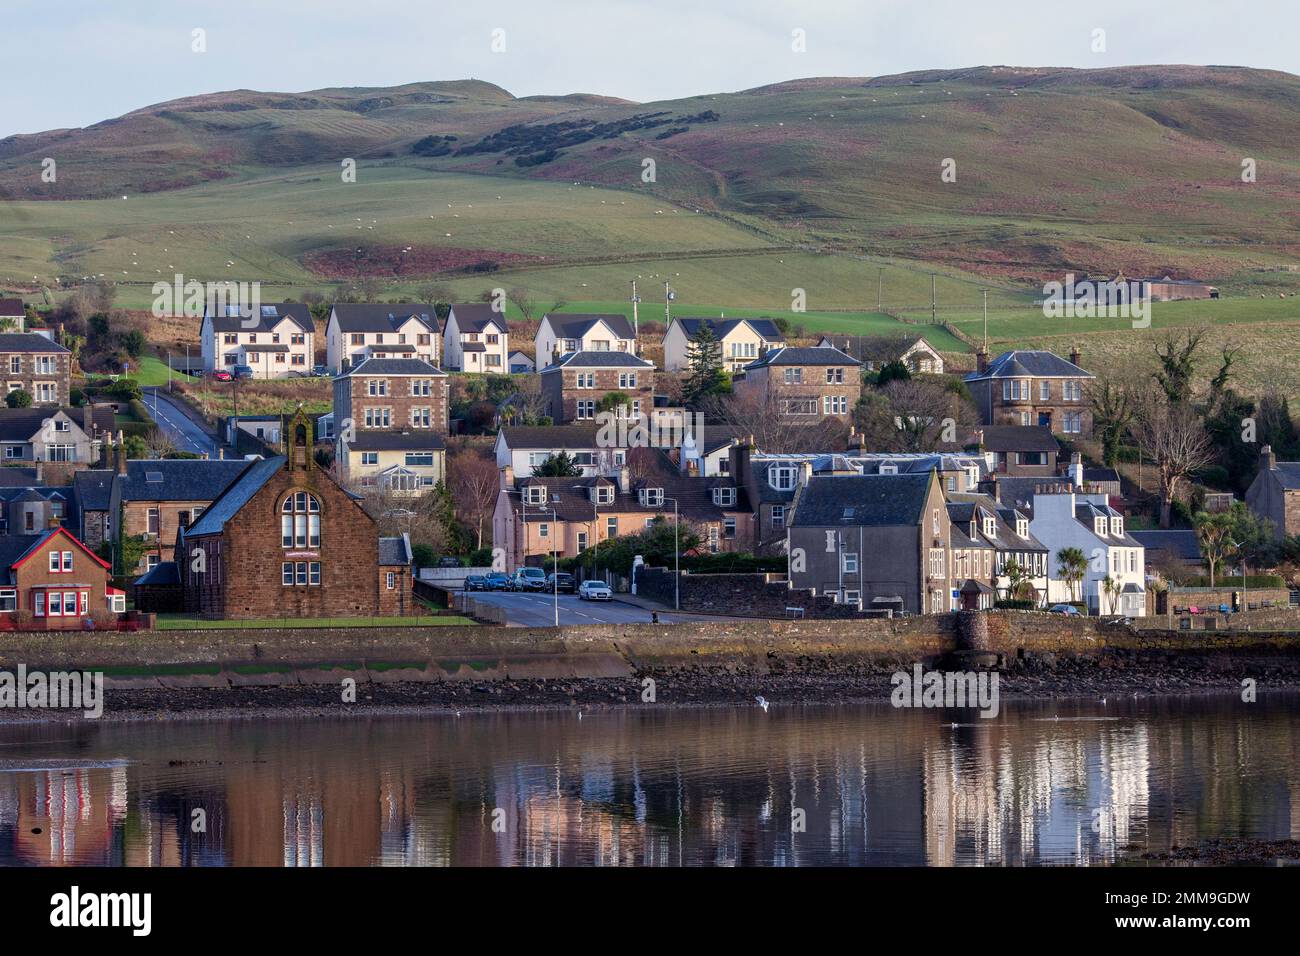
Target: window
(67, 562)
(627, 379)
(419, 459)
(543, 530)
(151, 521)
(835, 405)
(585, 380)
(54, 562)
(713, 537)
(535, 494)
(935, 521)
(781, 477)
(794, 376)
(604, 494)
(421, 417)
(370, 458)
(38, 603)
(778, 516)
(300, 522)
(652, 497)
(724, 497)
(390, 580)
(421, 386)
(586, 408)
(15, 364)
(1044, 390)
(728, 527)
(850, 562)
(798, 406)
(286, 574)
(582, 541)
(835, 376)
(378, 417)
(377, 386)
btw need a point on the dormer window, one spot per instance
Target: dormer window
(724, 497)
(1099, 526)
(535, 494)
(889, 469)
(1022, 527)
(652, 497)
(1117, 527)
(781, 477)
(990, 527)
(602, 494)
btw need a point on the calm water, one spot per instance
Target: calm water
(656, 787)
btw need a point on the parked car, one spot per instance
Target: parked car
(1069, 610)
(243, 371)
(476, 582)
(561, 582)
(320, 371)
(595, 591)
(221, 375)
(528, 579)
(498, 581)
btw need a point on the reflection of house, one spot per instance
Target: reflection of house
(537, 516)
(477, 339)
(1032, 388)
(875, 351)
(739, 341)
(356, 331)
(279, 341)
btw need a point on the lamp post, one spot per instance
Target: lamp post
(677, 558)
(555, 565)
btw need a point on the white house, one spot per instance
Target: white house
(1064, 517)
(13, 315)
(873, 351)
(561, 333)
(357, 331)
(740, 341)
(476, 339)
(522, 449)
(277, 342)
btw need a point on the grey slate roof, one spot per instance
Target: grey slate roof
(162, 574)
(394, 551)
(1024, 364)
(610, 359)
(862, 500)
(270, 314)
(1006, 438)
(12, 549)
(16, 477)
(20, 424)
(12, 308)
(814, 355)
(367, 440)
(393, 366)
(1287, 474)
(574, 325)
(1182, 544)
(381, 317)
(235, 496)
(93, 488)
(28, 342)
(182, 479)
(477, 316)
(550, 436)
(765, 327)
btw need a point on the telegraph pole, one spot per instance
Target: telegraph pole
(933, 318)
(880, 289)
(986, 319)
(635, 300)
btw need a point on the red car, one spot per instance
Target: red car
(221, 375)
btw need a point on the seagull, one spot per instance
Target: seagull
(762, 702)
(580, 715)
(458, 713)
(1103, 700)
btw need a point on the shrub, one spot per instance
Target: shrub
(18, 399)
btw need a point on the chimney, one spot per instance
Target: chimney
(1076, 469)
(1269, 462)
(507, 478)
(53, 521)
(87, 420)
(1074, 355)
(855, 440)
(624, 479)
(106, 451)
(119, 456)
(805, 472)
(739, 460)
(40, 472)
(981, 360)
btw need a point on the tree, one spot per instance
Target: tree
(704, 375)
(521, 300)
(1072, 565)
(913, 415)
(613, 401)
(1174, 437)
(19, 399)
(655, 544)
(759, 414)
(895, 370)
(158, 444)
(1112, 589)
(1214, 534)
(560, 465)
(1112, 400)
(1017, 579)
(134, 342)
(1177, 365)
(475, 484)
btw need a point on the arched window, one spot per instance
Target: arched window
(300, 521)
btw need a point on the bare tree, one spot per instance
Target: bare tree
(157, 443)
(760, 415)
(521, 300)
(1173, 436)
(475, 483)
(914, 415)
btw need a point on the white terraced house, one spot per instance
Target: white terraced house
(356, 332)
(278, 342)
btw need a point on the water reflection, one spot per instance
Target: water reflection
(712, 786)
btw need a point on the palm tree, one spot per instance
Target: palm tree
(1073, 565)
(1112, 588)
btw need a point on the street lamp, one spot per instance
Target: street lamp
(552, 531)
(677, 558)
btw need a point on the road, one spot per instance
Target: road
(537, 610)
(185, 433)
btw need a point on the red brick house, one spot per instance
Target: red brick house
(51, 581)
(285, 539)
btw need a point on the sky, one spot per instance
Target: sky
(71, 63)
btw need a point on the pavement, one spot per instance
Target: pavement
(178, 423)
(535, 609)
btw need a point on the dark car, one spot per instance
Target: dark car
(498, 581)
(476, 582)
(320, 371)
(243, 371)
(561, 582)
(447, 561)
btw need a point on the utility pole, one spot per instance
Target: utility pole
(880, 289)
(636, 299)
(933, 317)
(169, 371)
(986, 320)
(668, 298)
(555, 563)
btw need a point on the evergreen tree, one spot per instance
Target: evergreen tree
(560, 465)
(704, 375)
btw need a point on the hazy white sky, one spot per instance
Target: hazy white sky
(71, 63)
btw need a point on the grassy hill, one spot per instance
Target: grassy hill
(827, 187)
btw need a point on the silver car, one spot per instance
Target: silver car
(594, 591)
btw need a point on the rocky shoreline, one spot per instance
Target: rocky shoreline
(1114, 673)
